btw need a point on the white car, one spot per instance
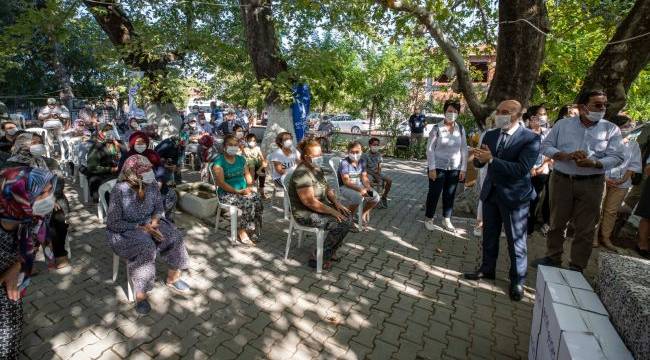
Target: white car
(431, 119)
(346, 123)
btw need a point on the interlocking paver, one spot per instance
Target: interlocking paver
(395, 292)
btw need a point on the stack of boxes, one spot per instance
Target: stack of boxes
(570, 322)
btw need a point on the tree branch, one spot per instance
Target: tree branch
(426, 18)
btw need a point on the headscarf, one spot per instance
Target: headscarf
(206, 142)
(134, 167)
(20, 186)
(151, 155)
(20, 152)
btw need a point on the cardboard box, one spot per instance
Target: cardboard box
(610, 341)
(579, 346)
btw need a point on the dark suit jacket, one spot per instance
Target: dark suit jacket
(509, 175)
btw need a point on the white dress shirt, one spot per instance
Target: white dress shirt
(601, 142)
(632, 162)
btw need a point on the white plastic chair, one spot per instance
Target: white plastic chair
(285, 197)
(130, 292)
(232, 210)
(335, 162)
(293, 225)
(43, 133)
(102, 206)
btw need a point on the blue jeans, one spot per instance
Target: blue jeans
(445, 183)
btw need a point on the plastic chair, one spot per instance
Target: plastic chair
(102, 206)
(293, 225)
(285, 197)
(232, 210)
(43, 133)
(335, 162)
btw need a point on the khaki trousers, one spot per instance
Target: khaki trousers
(578, 201)
(612, 201)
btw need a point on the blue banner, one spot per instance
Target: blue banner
(300, 109)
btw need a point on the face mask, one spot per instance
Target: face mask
(287, 143)
(317, 161)
(219, 140)
(140, 148)
(192, 125)
(43, 207)
(37, 150)
(543, 120)
(252, 144)
(12, 132)
(354, 157)
(374, 148)
(149, 177)
(239, 135)
(135, 126)
(451, 116)
(595, 116)
(232, 150)
(502, 121)
(109, 136)
(202, 122)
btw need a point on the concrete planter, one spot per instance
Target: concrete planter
(198, 199)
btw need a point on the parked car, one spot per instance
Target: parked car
(346, 123)
(431, 119)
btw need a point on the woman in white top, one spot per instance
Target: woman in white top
(447, 164)
(538, 123)
(285, 157)
(618, 182)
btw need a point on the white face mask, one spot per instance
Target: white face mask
(43, 207)
(140, 148)
(37, 150)
(595, 116)
(354, 157)
(451, 116)
(232, 150)
(239, 134)
(374, 148)
(219, 140)
(543, 120)
(149, 177)
(502, 121)
(317, 161)
(287, 143)
(252, 144)
(12, 132)
(193, 125)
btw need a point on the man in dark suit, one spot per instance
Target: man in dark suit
(509, 151)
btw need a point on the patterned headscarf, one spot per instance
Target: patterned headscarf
(151, 155)
(19, 187)
(20, 152)
(134, 167)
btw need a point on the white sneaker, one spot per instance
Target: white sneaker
(545, 229)
(428, 223)
(446, 223)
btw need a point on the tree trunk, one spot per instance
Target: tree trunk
(262, 45)
(621, 61)
(520, 51)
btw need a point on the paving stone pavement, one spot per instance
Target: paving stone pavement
(396, 293)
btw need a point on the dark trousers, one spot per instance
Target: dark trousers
(546, 203)
(95, 181)
(57, 233)
(538, 182)
(514, 222)
(445, 183)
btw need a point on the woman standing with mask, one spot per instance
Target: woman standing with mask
(538, 123)
(138, 231)
(447, 164)
(234, 179)
(25, 198)
(314, 202)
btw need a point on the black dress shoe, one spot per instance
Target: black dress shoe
(478, 275)
(516, 292)
(546, 261)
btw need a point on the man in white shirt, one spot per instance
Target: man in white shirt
(583, 148)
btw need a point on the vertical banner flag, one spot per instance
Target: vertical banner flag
(300, 109)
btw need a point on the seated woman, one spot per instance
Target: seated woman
(354, 183)
(103, 160)
(171, 154)
(314, 203)
(25, 196)
(29, 150)
(285, 157)
(234, 180)
(137, 230)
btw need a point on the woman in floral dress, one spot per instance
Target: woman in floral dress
(138, 231)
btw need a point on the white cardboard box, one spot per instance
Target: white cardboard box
(610, 341)
(557, 319)
(579, 346)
